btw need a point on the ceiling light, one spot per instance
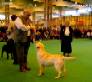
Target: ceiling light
(35, 5)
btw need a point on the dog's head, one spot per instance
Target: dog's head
(39, 45)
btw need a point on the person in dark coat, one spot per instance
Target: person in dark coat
(66, 34)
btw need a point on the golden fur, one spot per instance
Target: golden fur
(47, 59)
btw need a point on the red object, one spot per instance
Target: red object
(79, 23)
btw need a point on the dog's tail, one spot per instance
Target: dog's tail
(69, 58)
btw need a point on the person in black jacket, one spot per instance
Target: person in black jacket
(66, 34)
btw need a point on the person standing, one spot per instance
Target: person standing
(11, 37)
(23, 26)
(66, 35)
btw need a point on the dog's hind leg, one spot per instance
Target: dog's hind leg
(12, 57)
(2, 54)
(63, 70)
(41, 70)
(58, 68)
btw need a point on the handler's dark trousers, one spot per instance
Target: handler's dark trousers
(22, 50)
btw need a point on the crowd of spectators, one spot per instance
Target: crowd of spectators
(50, 33)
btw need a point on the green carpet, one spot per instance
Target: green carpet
(79, 70)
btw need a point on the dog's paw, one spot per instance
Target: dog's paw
(40, 74)
(57, 77)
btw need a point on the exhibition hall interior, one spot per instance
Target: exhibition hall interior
(60, 26)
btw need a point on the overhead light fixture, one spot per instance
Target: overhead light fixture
(35, 5)
(76, 3)
(35, 0)
(39, 0)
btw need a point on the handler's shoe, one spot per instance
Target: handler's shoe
(22, 69)
(26, 67)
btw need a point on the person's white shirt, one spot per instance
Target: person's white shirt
(20, 25)
(67, 32)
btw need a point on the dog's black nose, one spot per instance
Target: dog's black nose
(38, 47)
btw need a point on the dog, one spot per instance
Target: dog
(47, 59)
(8, 48)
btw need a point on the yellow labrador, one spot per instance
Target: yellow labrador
(47, 59)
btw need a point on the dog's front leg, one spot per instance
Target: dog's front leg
(7, 55)
(41, 70)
